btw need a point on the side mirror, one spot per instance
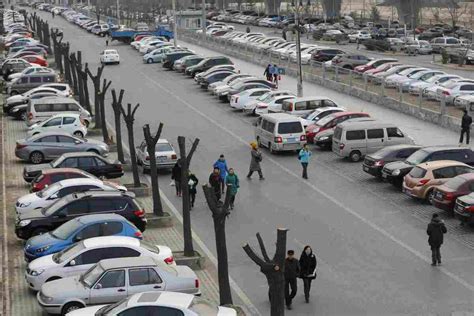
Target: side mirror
(77, 142)
(77, 238)
(53, 197)
(98, 286)
(72, 262)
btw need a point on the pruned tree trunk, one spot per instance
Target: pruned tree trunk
(96, 82)
(273, 269)
(151, 149)
(73, 65)
(85, 86)
(116, 106)
(129, 118)
(220, 211)
(103, 92)
(185, 162)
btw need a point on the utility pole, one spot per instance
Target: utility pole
(118, 12)
(203, 19)
(413, 17)
(175, 27)
(299, 74)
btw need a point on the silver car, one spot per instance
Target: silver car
(165, 155)
(112, 280)
(50, 145)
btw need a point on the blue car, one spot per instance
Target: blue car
(78, 229)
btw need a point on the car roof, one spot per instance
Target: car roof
(62, 170)
(130, 262)
(108, 240)
(80, 181)
(163, 141)
(440, 164)
(345, 113)
(443, 147)
(176, 299)
(281, 117)
(49, 134)
(81, 195)
(80, 154)
(312, 98)
(87, 219)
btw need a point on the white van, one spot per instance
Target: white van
(356, 139)
(41, 109)
(280, 132)
(302, 106)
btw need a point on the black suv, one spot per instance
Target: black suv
(40, 221)
(395, 171)
(374, 163)
(174, 56)
(88, 161)
(325, 54)
(208, 63)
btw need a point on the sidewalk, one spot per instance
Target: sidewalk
(23, 301)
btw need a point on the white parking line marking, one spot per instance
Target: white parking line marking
(6, 275)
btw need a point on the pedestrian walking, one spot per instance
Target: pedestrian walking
(192, 184)
(304, 155)
(106, 41)
(52, 13)
(275, 74)
(267, 73)
(221, 164)
(232, 182)
(215, 182)
(436, 229)
(255, 159)
(247, 29)
(308, 265)
(466, 122)
(292, 271)
(358, 43)
(176, 176)
(283, 34)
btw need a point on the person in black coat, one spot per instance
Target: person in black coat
(466, 122)
(176, 176)
(215, 181)
(292, 271)
(436, 230)
(308, 265)
(192, 183)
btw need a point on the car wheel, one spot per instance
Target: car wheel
(149, 61)
(39, 231)
(355, 156)
(430, 197)
(36, 157)
(69, 307)
(93, 151)
(78, 134)
(23, 116)
(272, 151)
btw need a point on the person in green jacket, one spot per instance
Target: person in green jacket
(232, 182)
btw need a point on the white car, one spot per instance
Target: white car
(158, 303)
(51, 194)
(418, 87)
(29, 70)
(313, 117)
(272, 106)
(165, 155)
(23, 98)
(79, 257)
(464, 101)
(109, 56)
(67, 123)
(359, 35)
(394, 80)
(237, 101)
(249, 107)
(213, 87)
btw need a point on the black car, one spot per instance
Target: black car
(170, 58)
(39, 221)
(325, 54)
(374, 163)
(395, 171)
(214, 77)
(208, 63)
(88, 161)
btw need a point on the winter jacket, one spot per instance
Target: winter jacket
(232, 182)
(215, 182)
(436, 229)
(307, 264)
(256, 157)
(222, 166)
(176, 172)
(466, 121)
(304, 156)
(292, 268)
(192, 188)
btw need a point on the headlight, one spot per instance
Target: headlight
(323, 138)
(396, 172)
(24, 223)
(36, 272)
(43, 249)
(24, 204)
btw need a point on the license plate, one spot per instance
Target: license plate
(365, 168)
(439, 195)
(161, 158)
(291, 140)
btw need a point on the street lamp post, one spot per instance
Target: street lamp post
(203, 19)
(175, 27)
(299, 73)
(118, 12)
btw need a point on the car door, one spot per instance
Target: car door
(49, 146)
(442, 175)
(375, 140)
(70, 211)
(103, 169)
(88, 164)
(82, 262)
(143, 280)
(395, 136)
(110, 288)
(54, 124)
(69, 124)
(68, 144)
(102, 205)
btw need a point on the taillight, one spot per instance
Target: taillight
(290, 108)
(20, 146)
(446, 93)
(422, 182)
(30, 116)
(139, 213)
(119, 167)
(36, 187)
(470, 209)
(83, 122)
(278, 139)
(138, 234)
(448, 196)
(379, 163)
(303, 138)
(196, 283)
(169, 260)
(173, 156)
(341, 146)
(147, 158)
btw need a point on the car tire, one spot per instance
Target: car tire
(36, 157)
(149, 61)
(272, 151)
(79, 134)
(69, 307)
(355, 156)
(23, 116)
(430, 197)
(39, 231)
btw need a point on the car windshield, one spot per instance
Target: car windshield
(164, 147)
(455, 183)
(50, 210)
(326, 119)
(68, 252)
(149, 247)
(49, 190)
(417, 157)
(91, 276)
(202, 307)
(66, 229)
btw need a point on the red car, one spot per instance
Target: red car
(50, 176)
(374, 64)
(330, 121)
(445, 195)
(36, 59)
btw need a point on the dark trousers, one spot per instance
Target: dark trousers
(307, 287)
(217, 192)
(177, 184)
(290, 283)
(305, 170)
(232, 200)
(192, 196)
(466, 131)
(435, 254)
(260, 174)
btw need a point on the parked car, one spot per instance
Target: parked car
(421, 181)
(394, 172)
(106, 283)
(27, 82)
(440, 43)
(120, 240)
(419, 47)
(374, 163)
(273, 106)
(250, 106)
(36, 59)
(87, 161)
(48, 177)
(37, 222)
(50, 145)
(446, 194)
(71, 124)
(165, 154)
(373, 64)
(77, 230)
(464, 209)
(181, 64)
(419, 86)
(325, 54)
(393, 81)
(25, 97)
(454, 90)
(349, 61)
(238, 101)
(158, 303)
(207, 63)
(464, 101)
(109, 56)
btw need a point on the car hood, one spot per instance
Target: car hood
(398, 165)
(31, 198)
(43, 263)
(16, 98)
(91, 310)
(468, 199)
(32, 214)
(35, 168)
(65, 288)
(14, 76)
(41, 241)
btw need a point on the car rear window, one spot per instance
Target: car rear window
(164, 147)
(290, 128)
(417, 172)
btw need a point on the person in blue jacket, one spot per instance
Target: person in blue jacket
(221, 164)
(304, 155)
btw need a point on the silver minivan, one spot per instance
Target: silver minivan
(30, 81)
(280, 132)
(302, 106)
(356, 139)
(41, 109)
